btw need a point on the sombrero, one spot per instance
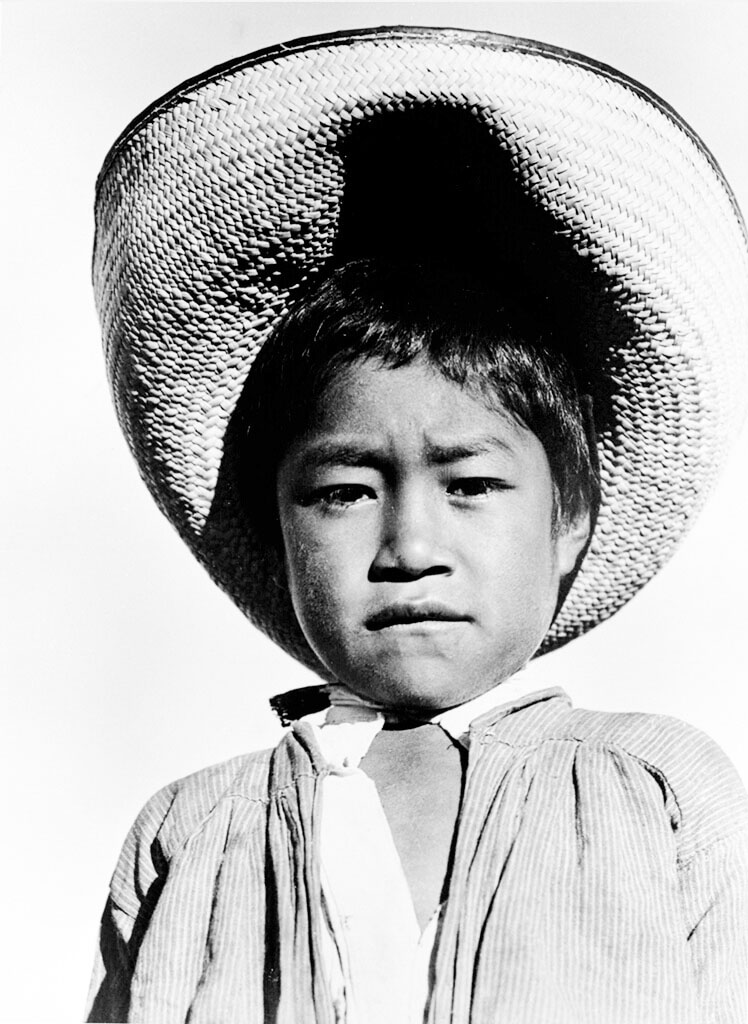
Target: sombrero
(220, 202)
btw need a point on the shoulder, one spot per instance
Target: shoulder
(707, 797)
(176, 812)
(681, 752)
(177, 809)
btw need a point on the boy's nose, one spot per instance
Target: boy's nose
(412, 542)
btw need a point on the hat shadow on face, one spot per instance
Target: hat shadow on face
(432, 184)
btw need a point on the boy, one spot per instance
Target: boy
(413, 455)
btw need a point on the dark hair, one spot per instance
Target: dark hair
(505, 351)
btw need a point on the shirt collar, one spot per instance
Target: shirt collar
(456, 721)
(347, 728)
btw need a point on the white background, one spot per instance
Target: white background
(122, 666)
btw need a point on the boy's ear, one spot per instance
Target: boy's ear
(571, 541)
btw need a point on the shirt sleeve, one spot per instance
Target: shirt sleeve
(109, 992)
(714, 887)
(134, 890)
(712, 842)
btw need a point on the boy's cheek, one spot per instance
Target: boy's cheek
(299, 544)
(315, 582)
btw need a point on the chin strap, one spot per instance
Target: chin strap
(295, 704)
(308, 700)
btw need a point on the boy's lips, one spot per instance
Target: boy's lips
(412, 613)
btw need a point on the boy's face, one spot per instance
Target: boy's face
(417, 525)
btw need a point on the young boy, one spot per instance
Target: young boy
(414, 455)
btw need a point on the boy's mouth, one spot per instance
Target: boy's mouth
(403, 614)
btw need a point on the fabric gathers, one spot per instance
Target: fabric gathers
(600, 873)
(375, 957)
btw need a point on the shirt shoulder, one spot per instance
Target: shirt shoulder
(699, 783)
(173, 814)
(177, 809)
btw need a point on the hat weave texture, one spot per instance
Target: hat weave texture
(220, 202)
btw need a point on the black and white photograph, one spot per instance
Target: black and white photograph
(374, 538)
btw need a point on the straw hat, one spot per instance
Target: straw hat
(218, 204)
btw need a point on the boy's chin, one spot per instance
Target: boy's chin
(423, 694)
(428, 683)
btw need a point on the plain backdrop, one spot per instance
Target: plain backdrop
(122, 666)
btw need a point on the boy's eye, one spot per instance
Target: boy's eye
(340, 495)
(476, 486)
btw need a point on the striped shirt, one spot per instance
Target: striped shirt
(599, 875)
(376, 958)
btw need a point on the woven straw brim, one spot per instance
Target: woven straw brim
(222, 199)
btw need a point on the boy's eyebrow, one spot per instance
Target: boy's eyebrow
(352, 453)
(344, 453)
(439, 454)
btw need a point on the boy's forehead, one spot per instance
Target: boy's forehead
(369, 406)
(323, 448)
